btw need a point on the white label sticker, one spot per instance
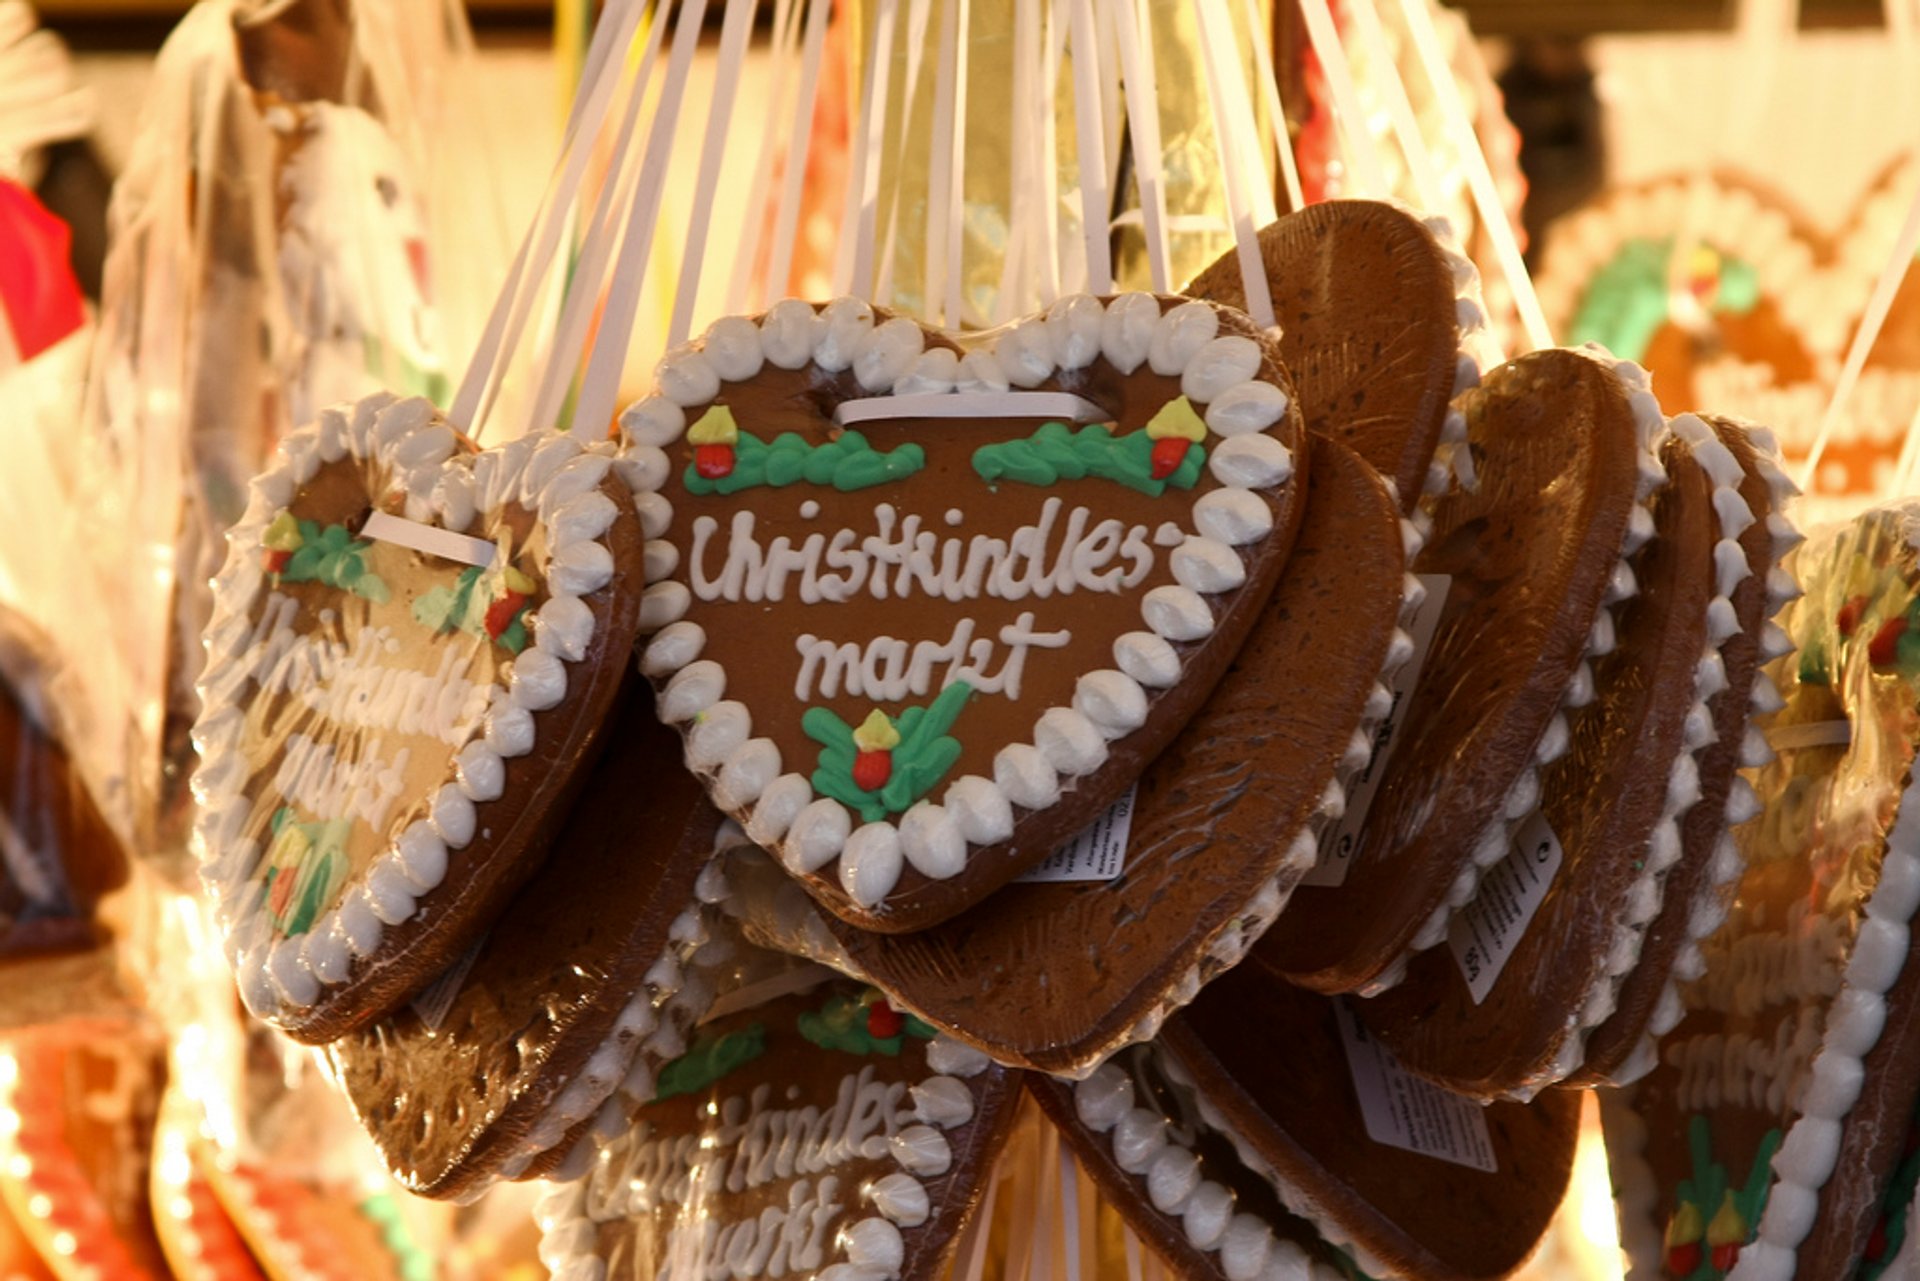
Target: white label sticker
(1098, 854)
(1487, 930)
(1337, 842)
(1402, 1111)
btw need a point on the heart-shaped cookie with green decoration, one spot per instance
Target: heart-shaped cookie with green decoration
(414, 645)
(924, 610)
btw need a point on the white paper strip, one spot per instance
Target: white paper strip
(866, 159)
(787, 220)
(1089, 131)
(1143, 118)
(971, 404)
(431, 539)
(734, 30)
(601, 385)
(1369, 172)
(1486, 197)
(1216, 39)
(1871, 323)
(1270, 91)
(944, 196)
(1406, 127)
(741, 296)
(917, 14)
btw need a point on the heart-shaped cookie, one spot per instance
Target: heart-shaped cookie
(1381, 326)
(1053, 976)
(818, 1133)
(916, 654)
(592, 968)
(413, 649)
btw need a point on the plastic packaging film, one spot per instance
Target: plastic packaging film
(298, 273)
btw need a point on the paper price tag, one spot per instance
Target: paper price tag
(1338, 842)
(1487, 930)
(1402, 1111)
(1099, 853)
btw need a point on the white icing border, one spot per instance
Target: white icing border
(1635, 1194)
(551, 473)
(1247, 1246)
(1497, 838)
(1709, 908)
(871, 1247)
(781, 810)
(1478, 351)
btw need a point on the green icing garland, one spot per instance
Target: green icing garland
(710, 1059)
(1628, 300)
(334, 557)
(921, 760)
(846, 464)
(846, 1024)
(307, 864)
(1891, 1232)
(1709, 1193)
(415, 1261)
(1055, 452)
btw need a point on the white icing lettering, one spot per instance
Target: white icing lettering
(888, 669)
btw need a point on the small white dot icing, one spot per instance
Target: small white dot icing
(874, 1248)
(1171, 1178)
(358, 924)
(1179, 335)
(1247, 408)
(716, 734)
(934, 370)
(453, 816)
(388, 892)
(422, 856)
(981, 810)
(1024, 774)
(1233, 516)
(586, 516)
(325, 952)
(509, 728)
(817, 834)
(779, 804)
(538, 680)
(1126, 331)
(1073, 326)
(809, 509)
(1112, 700)
(954, 516)
(292, 980)
(954, 1058)
(579, 475)
(1207, 564)
(564, 626)
(686, 377)
(481, 774)
(659, 558)
(1223, 363)
(663, 603)
(902, 1198)
(848, 322)
(747, 772)
(655, 513)
(981, 371)
(578, 569)
(1103, 1098)
(922, 1150)
(943, 1101)
(732, 345)
(886, 353)
(788, 333)
(1137, 1139)
(931, 842)
(1251, 462)
(1025, 353)
(1148, 658)
(870, 863)
(1070, 742)
(1177, 614)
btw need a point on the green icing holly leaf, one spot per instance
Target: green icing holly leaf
(334, 557)
(925, 754)
(843, 1024)
(710, 1059)
(846, 463)
(306, 866)
(1056, 452)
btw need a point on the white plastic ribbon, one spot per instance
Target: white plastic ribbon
(1220, 62)
(735, 27)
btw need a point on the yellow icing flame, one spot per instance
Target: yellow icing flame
(290, 848)
(1684, 1228)
(1177, 421)
(876, 733)
(517, 581)
(716, 427)
(283, 535)
(1727, 1228)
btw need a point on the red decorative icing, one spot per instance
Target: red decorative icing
(883, 1021)
(1882, 651)
(871, 770)
(1167, 456)
(713, 461)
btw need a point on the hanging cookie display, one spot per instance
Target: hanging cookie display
(923, 613)
(414, 646)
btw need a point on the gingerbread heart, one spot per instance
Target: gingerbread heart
(413, 649)
(914, 656)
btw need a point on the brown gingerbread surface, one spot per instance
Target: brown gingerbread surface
(770, 649)
(815, 1128)
(447, 1101)
(1807, 1019)
(1529, 554)
(1704, 826)
(1301, 1114)
(1048, 975)
(1601, 802)
(357, 681)
(1365, 299)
